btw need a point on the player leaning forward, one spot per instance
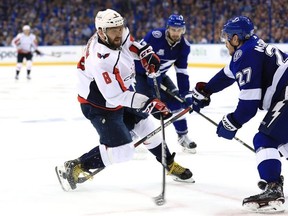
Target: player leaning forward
(261, 73)
(106, 72)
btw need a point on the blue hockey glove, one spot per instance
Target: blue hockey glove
(200, 98)
(148, 58)
(187, 96)
(228, 127)
(157, 108)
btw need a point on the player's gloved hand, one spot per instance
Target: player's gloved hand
(38, 52)
(228, 127)
(187, 96)
(149, 58)
(200, 98)
(157, 108)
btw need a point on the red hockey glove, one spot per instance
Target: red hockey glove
(157, 108)
(149, 58)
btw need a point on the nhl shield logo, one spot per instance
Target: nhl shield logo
(237, 55)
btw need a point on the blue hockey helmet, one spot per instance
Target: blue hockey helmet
(241, 26)
(176, 20)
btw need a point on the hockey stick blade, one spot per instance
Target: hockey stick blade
(160, 200)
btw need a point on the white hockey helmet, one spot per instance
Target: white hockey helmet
(26, 27)
(108, 19)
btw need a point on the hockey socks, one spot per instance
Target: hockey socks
(92, 159)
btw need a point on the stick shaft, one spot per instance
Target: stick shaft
(164, 88)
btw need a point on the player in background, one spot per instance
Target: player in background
(260, 71)
(173, 50)
(25, 43)
(106, 72)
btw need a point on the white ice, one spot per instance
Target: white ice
(41, 126)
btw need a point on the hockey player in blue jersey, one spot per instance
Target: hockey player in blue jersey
(172, 49)
(260, 70)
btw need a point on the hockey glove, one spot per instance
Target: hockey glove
(187, 96)
(228, 127)
(149, 58)
(200, 98)
(157, 108)
(38, 52)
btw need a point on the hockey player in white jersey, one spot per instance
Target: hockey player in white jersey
(261, 72)
(106, 73)
(25, 44)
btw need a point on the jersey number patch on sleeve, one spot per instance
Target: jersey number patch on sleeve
(106, 77)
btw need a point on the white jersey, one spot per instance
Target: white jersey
(24, 43)
(105, 75)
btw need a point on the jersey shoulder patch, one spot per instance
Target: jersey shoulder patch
(237, 55)
(157, 34)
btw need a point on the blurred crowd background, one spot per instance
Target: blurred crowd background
(63, 22)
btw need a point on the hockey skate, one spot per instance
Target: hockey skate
(70, 174)
(187, 145)
(271, 200)
(178, 172)
(262, 183)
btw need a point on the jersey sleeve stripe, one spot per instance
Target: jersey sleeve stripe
(119, 79)
(250, 94)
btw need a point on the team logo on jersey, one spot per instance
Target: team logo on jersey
(157, 34)
(160, 52)
(237, 55)
(99, 55)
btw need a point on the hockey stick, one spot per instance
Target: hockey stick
(53, 54)
(160, 199)
(57, 55)
(148, 136)
(164, 88)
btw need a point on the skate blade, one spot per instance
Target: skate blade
(271, 207)
(191, 151)
(62, 178)
(177, 179)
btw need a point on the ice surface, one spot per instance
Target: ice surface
(42, 126)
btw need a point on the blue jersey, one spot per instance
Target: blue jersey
(261, 73)
(176, 54)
